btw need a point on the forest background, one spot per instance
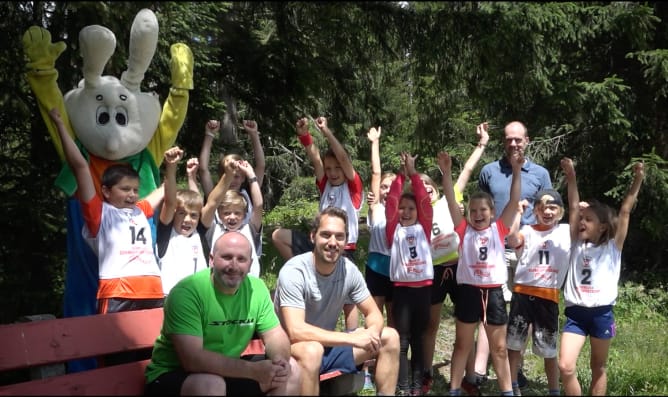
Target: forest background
(589, 79)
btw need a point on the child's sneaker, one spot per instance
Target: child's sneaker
(469, 388)
(427, 382)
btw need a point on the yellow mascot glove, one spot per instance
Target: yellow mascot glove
(181, 66)
(39, 49)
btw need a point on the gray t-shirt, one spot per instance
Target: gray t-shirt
(321, 297)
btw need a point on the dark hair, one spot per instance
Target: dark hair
(408, 196)
(115, 172)
(331, 154)
(607, 216)
(331, 211)
(480, 195)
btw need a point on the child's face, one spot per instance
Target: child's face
(407, 212)
(334, 172)
(124, 194)
(432, 191)
(232, 216)
(480, 214)
(186, 219)
(591, 227)
(385, 188)
(547, 214)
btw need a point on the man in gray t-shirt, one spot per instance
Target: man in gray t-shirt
(310, 293)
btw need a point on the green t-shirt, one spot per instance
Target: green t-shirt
(225, 323)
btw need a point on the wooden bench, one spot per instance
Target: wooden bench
(28, 346)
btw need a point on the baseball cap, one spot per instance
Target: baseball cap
(554, 197)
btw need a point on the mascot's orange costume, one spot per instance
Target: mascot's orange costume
(112, 121)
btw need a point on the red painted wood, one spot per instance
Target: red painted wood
(59, 340)
(119, 380)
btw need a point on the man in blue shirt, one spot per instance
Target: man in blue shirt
(495, 177)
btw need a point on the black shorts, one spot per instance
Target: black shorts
(543, 315)
(445, 283)
(301, 242)
(378, 284)
(169, 383)
(472, 299)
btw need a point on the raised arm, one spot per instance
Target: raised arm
(255, 193)
(337, 148)
(627, 205)
(192, 167)
(392, 207)
(217, 194)
(445, 164)
(310, 147)
(425, 212)
(573, 197)
(483, 137)
(376, 172)
(172, 157)
(75, 159)
(510, 210)
(156, 196)
(250, 126)
(210, 131)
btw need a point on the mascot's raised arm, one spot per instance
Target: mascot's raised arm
(111, 120)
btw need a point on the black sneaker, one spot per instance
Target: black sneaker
(521, 379)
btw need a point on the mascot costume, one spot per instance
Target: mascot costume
(112, 121)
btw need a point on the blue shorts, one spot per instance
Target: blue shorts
(338, 358)
(597, 322)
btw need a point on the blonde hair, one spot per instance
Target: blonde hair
(234, 199)
(190, 200)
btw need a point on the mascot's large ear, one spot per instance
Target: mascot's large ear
(97, 46)
(143, 43)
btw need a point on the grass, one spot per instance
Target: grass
(638, 356)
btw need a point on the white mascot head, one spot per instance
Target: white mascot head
(112, 118)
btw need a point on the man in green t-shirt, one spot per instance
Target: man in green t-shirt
(210, 317)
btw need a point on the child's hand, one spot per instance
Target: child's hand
(245, 167)
(212, 127)
(639, 170)
(302, 126)
(567, 166)
(321, 123)
(408, 162)
(483, 133)
(370, 199)
(192, 166)
(55, 116)
(516, 161)
(173, 155)
(444, 162)
(374, 134)
(250, 126)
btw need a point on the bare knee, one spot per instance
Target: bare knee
(204, 385)
(566, 369)
(390, 339)
(308, 355)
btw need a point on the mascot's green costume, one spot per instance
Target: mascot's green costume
(112, 122)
